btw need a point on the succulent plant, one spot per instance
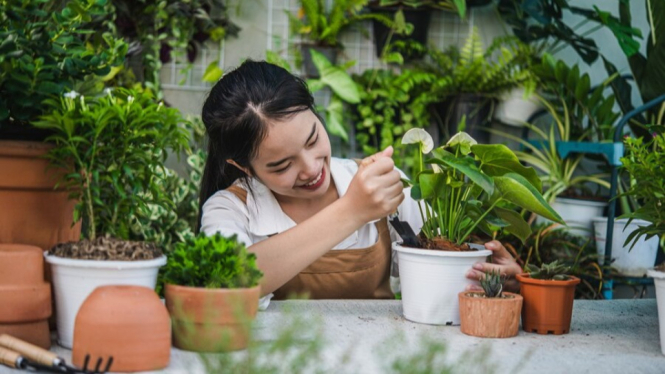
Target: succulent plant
(492, 283)
(552, 271)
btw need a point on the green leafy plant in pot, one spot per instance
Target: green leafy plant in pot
(468, 187)
(321, 28)
(470, 79)
(644, 162)
(408, 21)
(113, 148)
(212, 293)
(491, 313)
(548, 293)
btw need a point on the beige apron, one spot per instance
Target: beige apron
(362, 273)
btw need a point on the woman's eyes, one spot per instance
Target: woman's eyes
(316, 139)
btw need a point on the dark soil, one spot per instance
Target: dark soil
(660, 267)
(107, 249)
(442, 244)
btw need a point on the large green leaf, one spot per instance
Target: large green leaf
(652, 81)
(497, 160)
(335, 122)
(519, 191)
(337, 79)
(431, 184)
(466, 166)
(516, 223)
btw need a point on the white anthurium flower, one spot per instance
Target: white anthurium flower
(415, 136)
(461, 138)
(71, 95)
(108, 91)
(130, 99)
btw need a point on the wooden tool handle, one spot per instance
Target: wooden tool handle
(29, 351)
(9, 358)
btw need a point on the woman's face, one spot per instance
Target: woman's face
(294, 159)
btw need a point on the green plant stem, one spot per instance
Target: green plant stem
(651, 23)
(468, 232)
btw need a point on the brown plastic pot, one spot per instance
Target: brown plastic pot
(548, 304)
(211, 320)
(29, 200)
(129, 323)
(489, 317)
(25, 299)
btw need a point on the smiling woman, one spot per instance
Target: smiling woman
(317, 224)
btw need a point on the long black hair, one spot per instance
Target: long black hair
(235, 115)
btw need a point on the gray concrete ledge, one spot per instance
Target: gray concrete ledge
(366, 336)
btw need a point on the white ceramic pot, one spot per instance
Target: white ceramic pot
(513, 109)
(578, 214)
(431, 281)
(74, 280)
(659, 281)
(629, 262)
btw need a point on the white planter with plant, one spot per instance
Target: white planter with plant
(578, 214)
(515, 107)
(629, 260)
(114, 147)
(468, 187)
(644, 162)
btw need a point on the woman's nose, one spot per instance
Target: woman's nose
(310, 170)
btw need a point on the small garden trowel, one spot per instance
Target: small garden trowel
(404, 230)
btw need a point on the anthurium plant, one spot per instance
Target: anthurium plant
(470, 186)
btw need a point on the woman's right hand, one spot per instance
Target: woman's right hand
(376, 189)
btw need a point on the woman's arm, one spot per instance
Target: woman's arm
(374, 192)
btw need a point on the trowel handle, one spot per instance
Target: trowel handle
(30, 351)
(10, 358)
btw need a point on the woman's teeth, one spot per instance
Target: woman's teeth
(315, 181)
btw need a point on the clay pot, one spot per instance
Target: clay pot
(548, 304)
(25, 299)
(211, 320)
(29, 200)
(489, 317)
(129, 323)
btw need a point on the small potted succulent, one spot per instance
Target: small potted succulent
(113, 148)
(548, 294)
(469, 187)
(212, 293)
(491, 313)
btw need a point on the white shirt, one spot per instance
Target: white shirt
(262, 215)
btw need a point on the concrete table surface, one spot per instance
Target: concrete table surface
(367, 336)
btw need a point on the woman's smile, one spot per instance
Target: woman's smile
(316, 182)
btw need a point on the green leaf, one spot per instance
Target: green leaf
(497, 160)
(466, 166)
(516, 223)
(519, 191)
(431, 184)
(335, 122)
(212, 73)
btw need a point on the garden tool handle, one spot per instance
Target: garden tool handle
(30, 351)
(10, 358)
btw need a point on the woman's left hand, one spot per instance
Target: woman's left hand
(502, 261)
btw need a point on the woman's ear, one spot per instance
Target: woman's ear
(244, 170)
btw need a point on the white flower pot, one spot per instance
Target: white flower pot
(74, 280)
(633, 262)
(659, 281)
(513, 109)
(431, 281)
(577, 214)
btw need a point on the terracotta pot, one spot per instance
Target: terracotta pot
(548, 304)
(490, 317)
(129, 323)
(211, 320)
(29, 200)
(25, 299)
